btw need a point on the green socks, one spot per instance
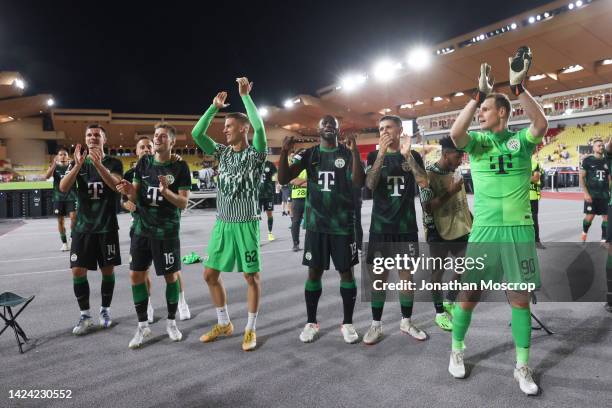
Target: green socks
(63, 238)
(521, 333)
(461, 323)
(585, 226)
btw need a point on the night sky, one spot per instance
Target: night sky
(134, 57)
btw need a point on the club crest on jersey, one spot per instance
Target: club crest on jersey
(513, 144)
(267, 169)
(339, 163)
(73, 257)
(170, 179)
(308, 256)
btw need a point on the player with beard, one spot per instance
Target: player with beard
(63, 203)
(332, 171)
(595, 182)
(95, 237)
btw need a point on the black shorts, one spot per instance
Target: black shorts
(599, 206)
(319, 247)
(440, 247)
(266, 204)
(63, 208)
(165, 254)
(93, 250)
(391, 245)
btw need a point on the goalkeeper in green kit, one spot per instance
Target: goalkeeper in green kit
(500, 162)
(234, 242)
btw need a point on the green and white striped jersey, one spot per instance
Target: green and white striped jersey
(238, 187)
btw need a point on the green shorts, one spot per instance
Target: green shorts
(503, 254)
(234, 244)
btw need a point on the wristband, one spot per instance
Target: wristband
(479, 97)
(517, 89)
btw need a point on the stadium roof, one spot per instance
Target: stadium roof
(572, 49)
(13, 105)
(560, 37)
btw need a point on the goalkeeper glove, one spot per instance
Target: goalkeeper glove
(484, 87)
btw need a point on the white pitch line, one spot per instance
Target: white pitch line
(68, 269)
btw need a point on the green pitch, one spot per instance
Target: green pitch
(26, 185)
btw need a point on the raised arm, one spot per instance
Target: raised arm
(534, 111)
(373, 174)
(539, 123)
(51, 168)
(68, 180)
(357, 169)
(110, 179)
(461, 125)
(287, 173)
(205, 142)
(416, 168)
(259, 139)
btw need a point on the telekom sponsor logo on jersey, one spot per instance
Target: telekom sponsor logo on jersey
(154, 196)
(326, 179)
(95, 189)
(395, 183)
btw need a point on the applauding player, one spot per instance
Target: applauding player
(160, 190)
(63, 203)
(95, 237)
(332, 171)
(235, 237)
(391, 175)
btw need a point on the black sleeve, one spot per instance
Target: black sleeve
(418, 158)
(116, 167)
(371, 158)
(183, 177)
(273, 169)
(138, 170)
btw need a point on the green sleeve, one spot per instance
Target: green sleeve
(204, 141)
(474, 138)
(259, 140)
(530, 138)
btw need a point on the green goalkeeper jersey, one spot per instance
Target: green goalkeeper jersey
(501, 171)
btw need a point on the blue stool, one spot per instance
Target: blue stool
(9, 300)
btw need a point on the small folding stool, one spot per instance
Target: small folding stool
(9, 300)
